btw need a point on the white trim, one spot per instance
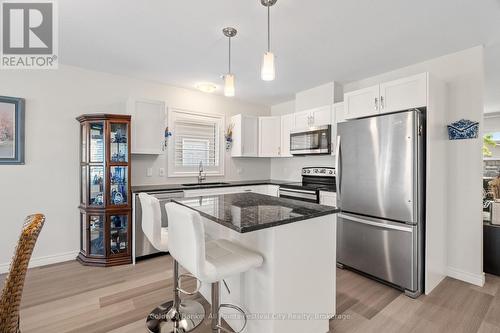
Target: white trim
(45, 260)
(475, 279)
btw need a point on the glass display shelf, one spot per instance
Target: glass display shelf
(119, 234)
(97, 142)
(96, 185)
(119, 142)
(96, 229)
(118, 191)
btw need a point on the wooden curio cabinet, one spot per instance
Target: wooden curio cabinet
(105, 207)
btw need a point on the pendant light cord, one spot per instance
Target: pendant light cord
(229, 55)
(268, 28)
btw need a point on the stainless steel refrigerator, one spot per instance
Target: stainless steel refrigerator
(380, 191)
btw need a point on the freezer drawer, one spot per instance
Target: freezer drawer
(384, 250)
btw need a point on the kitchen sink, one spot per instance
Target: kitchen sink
(206, 184)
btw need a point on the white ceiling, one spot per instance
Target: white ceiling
(315, 41)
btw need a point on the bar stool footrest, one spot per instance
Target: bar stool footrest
(237, 308)
(166, 319)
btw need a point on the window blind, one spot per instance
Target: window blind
(195, 141)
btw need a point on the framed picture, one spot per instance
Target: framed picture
(11, 130)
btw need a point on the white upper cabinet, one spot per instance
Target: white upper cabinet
(287, 124)
(322, 116)
(407, 93)
(314, 117)
(245, 136)
(270, 136)
(302, 119)
(362, 103)
(148, 126)
(397, 95)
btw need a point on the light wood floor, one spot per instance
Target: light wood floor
(69, 297)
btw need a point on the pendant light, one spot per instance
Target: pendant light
(229, 77)
(268, 71)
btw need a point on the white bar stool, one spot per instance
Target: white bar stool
(172, 316)
(209, 262)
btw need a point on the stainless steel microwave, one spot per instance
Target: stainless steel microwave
(311, 141)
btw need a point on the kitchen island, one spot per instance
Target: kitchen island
(294, 289)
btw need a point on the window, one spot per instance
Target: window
(196, 138)
(193, 151)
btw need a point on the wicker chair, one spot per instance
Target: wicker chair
(10, 300)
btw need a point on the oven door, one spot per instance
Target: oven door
(315, 140)
(302, 195)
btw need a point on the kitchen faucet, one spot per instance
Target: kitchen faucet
(201, 175)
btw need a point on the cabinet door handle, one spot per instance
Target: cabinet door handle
(376, 104)
(381, 102)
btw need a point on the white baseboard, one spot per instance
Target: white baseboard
(46, 260)
(475, 279)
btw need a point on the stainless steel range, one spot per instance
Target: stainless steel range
(314, 180)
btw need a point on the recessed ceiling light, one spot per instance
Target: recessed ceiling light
(207, 87)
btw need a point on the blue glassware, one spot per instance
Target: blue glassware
(116, 197)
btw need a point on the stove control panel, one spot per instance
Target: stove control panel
(319, 172)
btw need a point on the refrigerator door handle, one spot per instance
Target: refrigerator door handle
(338, 178)
(380, 225)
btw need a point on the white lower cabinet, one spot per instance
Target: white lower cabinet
(271, 190)
(328, 198)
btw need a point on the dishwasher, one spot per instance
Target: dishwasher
(142, 246)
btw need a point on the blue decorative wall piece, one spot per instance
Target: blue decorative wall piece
(463, 129)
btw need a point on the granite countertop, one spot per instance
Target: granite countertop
(245, 212)
(180, 187)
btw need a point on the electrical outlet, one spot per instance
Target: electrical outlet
(149, 172)
(161, 172)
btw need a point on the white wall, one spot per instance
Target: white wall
(464, 74)
(49, 181)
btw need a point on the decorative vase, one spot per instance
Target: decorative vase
(229, 143)
(463, 129)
